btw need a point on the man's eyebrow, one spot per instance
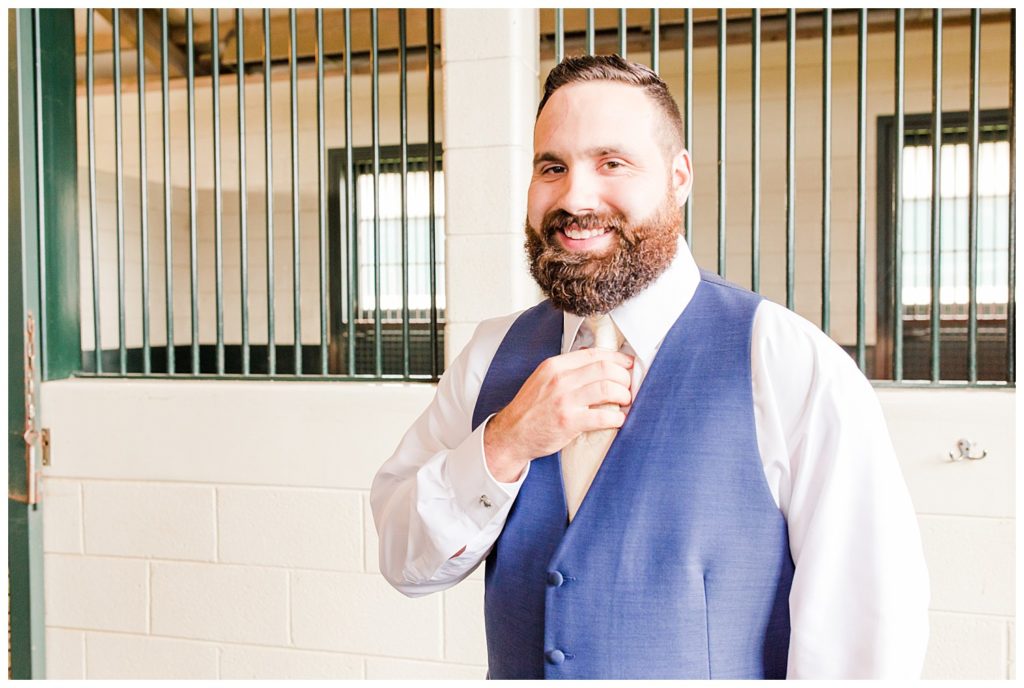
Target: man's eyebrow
(545, 157)
(594, 152)
(599, 151)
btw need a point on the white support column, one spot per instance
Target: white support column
(490, 60)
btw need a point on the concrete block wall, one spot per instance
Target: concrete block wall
(490, 95)
(967, 515)
(238, 548)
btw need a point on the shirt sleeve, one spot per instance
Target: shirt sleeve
(435, 498)
(859, 599)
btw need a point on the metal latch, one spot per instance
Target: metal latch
(30, 435)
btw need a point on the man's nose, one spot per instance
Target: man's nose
(580, 193)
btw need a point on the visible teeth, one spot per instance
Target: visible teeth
(584, 233)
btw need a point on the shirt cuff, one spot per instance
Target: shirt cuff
(479, 494)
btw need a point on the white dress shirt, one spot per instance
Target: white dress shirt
(859, 598)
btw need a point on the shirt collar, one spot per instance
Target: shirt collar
(645, 319)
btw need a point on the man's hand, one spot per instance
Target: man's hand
(554, 406)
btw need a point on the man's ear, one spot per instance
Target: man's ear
(682, 176)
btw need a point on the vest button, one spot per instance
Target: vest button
(555, 656)
(555, 579)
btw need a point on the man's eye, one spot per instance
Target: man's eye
(553, 169)
(613, 164)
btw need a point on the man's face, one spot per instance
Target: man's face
(603, 207)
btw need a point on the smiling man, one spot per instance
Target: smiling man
(668, 476)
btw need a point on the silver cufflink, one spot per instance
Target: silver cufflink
(485, 501)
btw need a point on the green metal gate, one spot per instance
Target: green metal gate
(323, 55)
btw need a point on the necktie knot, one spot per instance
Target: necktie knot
(606, 334)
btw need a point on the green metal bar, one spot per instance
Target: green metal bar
(119, 176)
(623, 33)
(431, 163)
(791, 159)
(268, 156)
(378, 338)
(243, 191)
(192, 241)
(826, 164)
(403, 98)
(26, 623)
(1011, 300)
(218, 206)
(56, 77)
(94, 240)
(351, 222)
(140, 62)
(296, 247)
(655, 41)
(721, 141)
(40, 160)
(25, 580)
(897, 206)
(559, 35)
(168, 245)
(688, 122)
(862, 142)
(321, 186)
(972, 205)
(755, 152)
(936, 202)
(118, 193)
(590, 31)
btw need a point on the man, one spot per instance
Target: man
(713, 496)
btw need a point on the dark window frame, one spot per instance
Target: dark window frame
(993, 126)
(336, 172)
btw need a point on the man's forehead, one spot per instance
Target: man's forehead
(597, 114)
(599, 96)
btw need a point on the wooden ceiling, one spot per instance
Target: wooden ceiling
(252, 22)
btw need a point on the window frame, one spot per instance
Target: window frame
(339, 239)
(993, 125)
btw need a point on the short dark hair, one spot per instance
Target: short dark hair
(614, 68)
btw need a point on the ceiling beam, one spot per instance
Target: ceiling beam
(177, 61)
(305, 35)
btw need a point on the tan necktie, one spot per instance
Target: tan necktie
(583, 456)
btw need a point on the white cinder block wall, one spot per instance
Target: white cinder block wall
(222, 529)
(211, 529)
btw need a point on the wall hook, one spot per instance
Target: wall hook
(964, 449)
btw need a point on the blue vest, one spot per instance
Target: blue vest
(677, 564)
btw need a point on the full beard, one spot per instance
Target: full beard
(587, 284)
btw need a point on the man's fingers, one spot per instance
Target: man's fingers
(583, 357)
(603, 392)
(599, 370)
(603, 418)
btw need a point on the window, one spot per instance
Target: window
(422, 291)
(992, 246)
